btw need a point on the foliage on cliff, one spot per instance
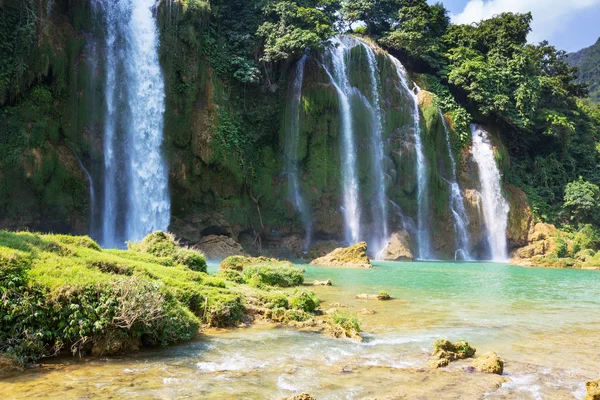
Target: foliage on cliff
(226, 66)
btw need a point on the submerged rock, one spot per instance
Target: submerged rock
(7, 366)
(444, 351)
(490, 362)
(593, 390)
(111, 345)
(398, 248)
(219, 247)
(380, 296)
(320, 283)
(353, 256)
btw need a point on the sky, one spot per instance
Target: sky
(567, 24)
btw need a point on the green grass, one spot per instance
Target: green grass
(60, 292)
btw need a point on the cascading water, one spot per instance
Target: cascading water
(495, 207)
(291, 152)
(379, 203)
(136, 196)
(423, 235)
(340, 80)
(457, 206)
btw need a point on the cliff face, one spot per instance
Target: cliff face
(224, 142)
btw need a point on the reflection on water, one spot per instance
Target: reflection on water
(543, 322)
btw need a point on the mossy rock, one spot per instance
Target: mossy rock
(490, 363)
(353, 256)
(444, 351)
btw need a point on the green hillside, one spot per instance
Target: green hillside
(588, 62)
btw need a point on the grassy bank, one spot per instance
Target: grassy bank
(60, 292)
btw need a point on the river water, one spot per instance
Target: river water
(544, 323)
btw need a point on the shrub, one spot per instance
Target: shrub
(346, 320)
(582, 201)
(275, 300)
(304, 300)
(586, 238)
(192, 259)
(159, 243)
(222, 308)
(234, 262)
(270, 275)
(562, 248)
(232, 276)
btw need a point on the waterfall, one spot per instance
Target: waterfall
(423, 235)
(495, 207)
(291, 152)
(379, 202)
(136, 196)
(340, 80)
(457, 206)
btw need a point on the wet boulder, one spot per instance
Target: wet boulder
(490, 363)
(398, 248)
(593, 390)
(353, 256)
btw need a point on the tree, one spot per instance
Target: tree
(377, 15)
(419, 30)
(528, 86)
(291, 28)
(582, 202)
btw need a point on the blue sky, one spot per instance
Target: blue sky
(567, 24)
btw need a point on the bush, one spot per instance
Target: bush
(346, 320)
(192, 259)
(582, 201)
(562, 248)
(270, 275)
(232, 276)
(159, 244)
(236, 263)
(275, 300)
(304, 300)
(222, 308)
(586, 238)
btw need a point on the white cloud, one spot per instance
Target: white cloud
(549, 16)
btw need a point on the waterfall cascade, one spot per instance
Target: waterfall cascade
(379, 203)
(291, 152)
(457, 206)
(423, 234)
(495, 207)
(340, 79)
(136, 196)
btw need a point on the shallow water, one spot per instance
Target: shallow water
(544, 322)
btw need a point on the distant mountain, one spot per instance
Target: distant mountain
(588, 61)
